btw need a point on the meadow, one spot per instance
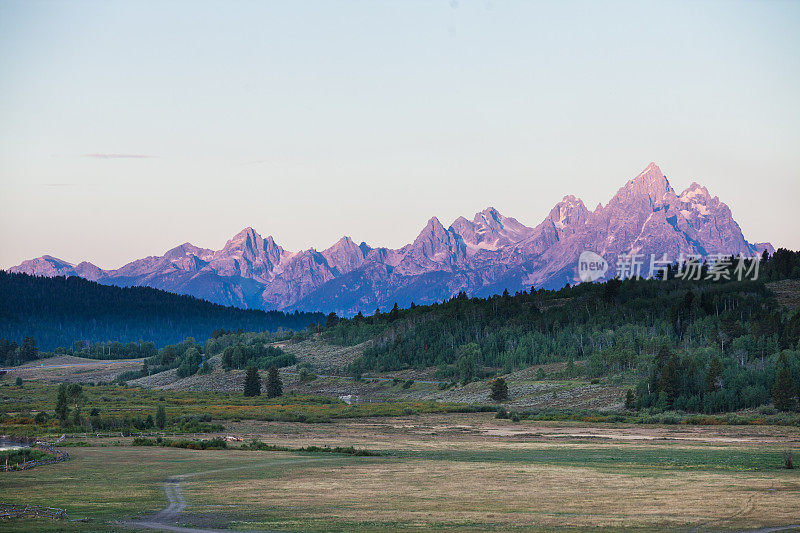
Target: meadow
(455, 471)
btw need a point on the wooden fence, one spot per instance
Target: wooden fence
(58, 456)
(8, 511)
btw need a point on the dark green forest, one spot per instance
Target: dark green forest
(699, 346)
(239, 351)
(59, 311)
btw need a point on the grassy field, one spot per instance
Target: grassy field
(19, 404)
(442, 465)
(450, 471)
(328, 363)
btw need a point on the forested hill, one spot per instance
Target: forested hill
(58, 311)
(690, 345)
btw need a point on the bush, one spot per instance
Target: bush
(216, 443)
(788, 463)
(144, 441)
(499, 390)
(129, 375)
(408, 384)
(305, 375)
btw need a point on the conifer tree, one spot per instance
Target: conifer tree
(630, 400)
(274, 385)
(62, 407)
(161, 417)
(783, 393)
(252, 382)
(713, 375)
(499, 390)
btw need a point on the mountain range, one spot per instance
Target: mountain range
(482, 256)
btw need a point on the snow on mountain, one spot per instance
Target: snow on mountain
(481, 256)
(489, 230)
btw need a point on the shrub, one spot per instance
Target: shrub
(305, 375)
(127, 376)
(499, 390)
(144, 441)
(788, 463)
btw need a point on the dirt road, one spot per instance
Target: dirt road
(167, 519)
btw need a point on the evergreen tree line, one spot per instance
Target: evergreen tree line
(255, 355)
(12, 355)
(239, 351)
(59, 311)
(109, 350)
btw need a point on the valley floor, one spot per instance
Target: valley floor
(450, 471)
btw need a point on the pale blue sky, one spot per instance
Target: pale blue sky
(311, 120)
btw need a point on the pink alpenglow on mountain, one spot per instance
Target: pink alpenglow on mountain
(482, 256)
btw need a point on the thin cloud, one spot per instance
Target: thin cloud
(119, 156)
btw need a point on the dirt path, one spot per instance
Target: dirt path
(165, 520)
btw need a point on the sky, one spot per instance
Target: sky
(127, 128)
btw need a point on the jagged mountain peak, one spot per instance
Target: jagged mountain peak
(434, 224)
(345, 244)
(345, 255)
(185, 249)
(481, 254)
(569, 211)
(649, 186)
(489, 230)
(344, 241)
(248, 234)
(571, 202)
(490, 213)
(433, 230)
(652, 176)
(695, 190)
